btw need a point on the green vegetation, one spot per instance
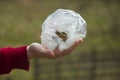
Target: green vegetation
(20, 24)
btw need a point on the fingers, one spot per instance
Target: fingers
(57, 53)
(76, 43)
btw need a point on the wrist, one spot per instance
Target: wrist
(32, 51)
(29, 53)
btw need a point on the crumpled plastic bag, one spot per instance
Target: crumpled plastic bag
(62, 28)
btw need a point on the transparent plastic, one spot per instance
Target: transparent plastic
(62, 28)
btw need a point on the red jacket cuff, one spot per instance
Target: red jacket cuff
(18, 58)
(13, 58)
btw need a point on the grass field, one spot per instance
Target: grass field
(20, 24)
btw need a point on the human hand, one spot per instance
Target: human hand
(36, 50)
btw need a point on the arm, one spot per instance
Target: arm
(13, 58)
(18, 58)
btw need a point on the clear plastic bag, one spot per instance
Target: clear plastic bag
(62, 28)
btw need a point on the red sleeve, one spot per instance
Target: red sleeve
(13, 58)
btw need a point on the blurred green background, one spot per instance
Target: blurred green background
(97, 58)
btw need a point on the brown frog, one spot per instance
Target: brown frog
(62, 35)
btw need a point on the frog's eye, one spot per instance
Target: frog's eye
(62, 35)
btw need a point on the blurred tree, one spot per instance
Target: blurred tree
(36, 69)
(58, 70)
(114, 16)
(93, 65)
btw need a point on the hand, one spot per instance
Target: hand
(36, 50)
